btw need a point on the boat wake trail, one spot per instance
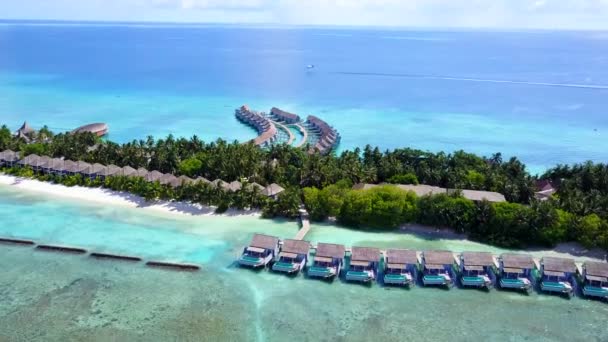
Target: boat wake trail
(471, 79)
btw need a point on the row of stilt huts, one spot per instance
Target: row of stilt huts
(403, 267)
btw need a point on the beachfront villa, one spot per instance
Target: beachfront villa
(363, 264)
(516, 271)
(327, 261)
(401, 267)
(260, 252)
(595, 279)
(293, 256)
(557, 275)
(438, 268)
(477, 269)
(8, 158)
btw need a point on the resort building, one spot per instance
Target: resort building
(109, 171)
(272, 191)
(8, 158)
(327, 261)
(28, 161)
(595, 279)
(128, 171)
(99, 129)
(267, 131)
(141, 172)
(401, 267)
(166, 179)
(327, 137)
(424, 190)
(260, 252)
(234, 186)
(293, 256)
(57, 166)
(546, 189)
(437, 268)
(516, 271)
(153, 176)
(96, 170)
(363, 265)
(476, 269)
(557, 275)
(286, 117)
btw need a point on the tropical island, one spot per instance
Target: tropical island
(362, 189)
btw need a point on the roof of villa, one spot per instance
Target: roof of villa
(559, 264)
(520, 261)
(596, 268)
(365, 254)
(330, 250)
(295, 246)
(477, 258)
(272, 189)
(264, 241)
(401, 256)
(438, 257)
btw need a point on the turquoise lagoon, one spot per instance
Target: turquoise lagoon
(47, 296)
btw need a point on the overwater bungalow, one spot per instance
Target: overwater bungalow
(153, 176)
(363, 264)
(477, 269)
(557, 275)
(282, 115)
(260, 252)
(328, 260)
(595, 279)
(400, 267)
(516, 271)
(437, 268)
(293, 256)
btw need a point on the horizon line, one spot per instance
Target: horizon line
(72, 22)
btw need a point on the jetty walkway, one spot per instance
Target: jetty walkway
(304, 133)
(304, 220)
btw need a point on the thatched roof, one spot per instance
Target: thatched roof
(110, 170)
(202, 179)
(57, 164)
(181, 181)
(25, 129)
(82, 166)
(330, 250)
(264, 241)
(235, 186)
(596, 268)
(295, 246)
(255, 185)
(519, 261)
(477, 259)
(97, 168)
(141, 172)
(272, 190)
(218, 183)
(70, 166)
(365, 254)
(30, 160)
(284, 115)
(558, 264)
(167, 178)
(129, 171)
(478, 196)
(401, 256)
(95, 128)
(153, 176)
(10, 156)
(44, 161)
(438, 257)
(422, 189)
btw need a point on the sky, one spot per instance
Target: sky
(494, 14)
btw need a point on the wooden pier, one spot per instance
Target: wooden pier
(305, 222)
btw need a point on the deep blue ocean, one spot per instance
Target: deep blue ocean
(541, 96)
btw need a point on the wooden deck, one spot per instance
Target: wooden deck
(304, 133)
(305, 225)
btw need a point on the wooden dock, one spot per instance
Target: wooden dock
(304, 220)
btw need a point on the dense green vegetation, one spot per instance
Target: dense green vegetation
(577, 212)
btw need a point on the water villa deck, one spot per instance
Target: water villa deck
(516, 271)
(476, 269)
(437, 268)
(283, 116)
(327, 137)
(595, 279)
(267, 131)
(293, 256)
(328, 261)
(363, 264)
(557, 275)
(401, 267)
(260, 252)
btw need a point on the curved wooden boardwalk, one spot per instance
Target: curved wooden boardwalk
(304, 133)
(285, 128)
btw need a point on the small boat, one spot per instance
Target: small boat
(260, 252)
(310, 66)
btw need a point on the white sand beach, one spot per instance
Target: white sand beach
(109, 197)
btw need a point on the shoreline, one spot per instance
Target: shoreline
(184, 209)
(124, 199)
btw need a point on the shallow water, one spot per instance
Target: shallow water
(48, 296)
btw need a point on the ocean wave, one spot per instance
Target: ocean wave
(472, 79)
